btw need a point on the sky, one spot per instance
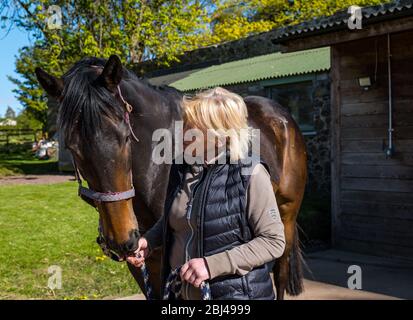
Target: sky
(9, 46)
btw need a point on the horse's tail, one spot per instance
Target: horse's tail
(295, 284)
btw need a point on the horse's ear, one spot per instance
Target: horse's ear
(52, 85)
(112, 73)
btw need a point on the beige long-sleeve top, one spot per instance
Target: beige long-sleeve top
(263, 217)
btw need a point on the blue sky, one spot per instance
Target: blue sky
(9, 46)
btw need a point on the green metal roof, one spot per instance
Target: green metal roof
(270, 66)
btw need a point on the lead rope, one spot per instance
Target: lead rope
(148, 287)
(173, 285)
(128, 110)
(174, 281)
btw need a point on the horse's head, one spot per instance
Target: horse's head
(94, 127)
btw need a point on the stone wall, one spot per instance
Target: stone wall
(244, 48)
(318, 145)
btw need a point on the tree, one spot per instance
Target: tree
(10, 114)
(25, 120)
(136, 30)
(234, 19)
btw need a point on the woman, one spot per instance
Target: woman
(220, 224)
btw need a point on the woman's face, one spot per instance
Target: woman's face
(195, 138)
(200, 142)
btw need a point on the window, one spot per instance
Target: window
(298, 98)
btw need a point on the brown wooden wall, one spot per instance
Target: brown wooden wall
(372, 195)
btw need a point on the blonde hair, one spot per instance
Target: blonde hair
(222, 113)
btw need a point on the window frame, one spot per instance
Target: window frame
(267, 84)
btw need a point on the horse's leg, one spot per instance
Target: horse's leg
(288, 268)
(281, 268)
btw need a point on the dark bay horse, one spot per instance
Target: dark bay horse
(94, 121)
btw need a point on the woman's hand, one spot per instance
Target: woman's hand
(195, 271)
(140, 254)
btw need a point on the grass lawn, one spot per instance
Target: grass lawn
(45, 225)
(29, 166)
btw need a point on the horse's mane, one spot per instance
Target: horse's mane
(85, 102)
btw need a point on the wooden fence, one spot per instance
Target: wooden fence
(21, 135)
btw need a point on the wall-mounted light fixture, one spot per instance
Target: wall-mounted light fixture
(365, 82)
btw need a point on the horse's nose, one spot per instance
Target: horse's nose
(132, 243)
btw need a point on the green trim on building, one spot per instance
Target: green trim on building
(287, 80)
(270, 66)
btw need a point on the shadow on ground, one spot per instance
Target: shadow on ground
(18, 159)
(390, 277)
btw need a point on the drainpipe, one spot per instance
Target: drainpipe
(390, 149)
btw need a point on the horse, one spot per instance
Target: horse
(107, 116)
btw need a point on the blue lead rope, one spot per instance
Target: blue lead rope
(148, 287)
(173, 285)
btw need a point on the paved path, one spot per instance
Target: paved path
(35, 179)
(382, 278)
(318, 291)
(315, 290)
(391, 277)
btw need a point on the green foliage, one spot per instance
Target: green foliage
(138, 30)
(26, 120)
(234, 19)
(28, 91)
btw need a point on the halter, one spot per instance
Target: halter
(95, 196)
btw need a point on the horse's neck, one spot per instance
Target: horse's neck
(153, 112)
